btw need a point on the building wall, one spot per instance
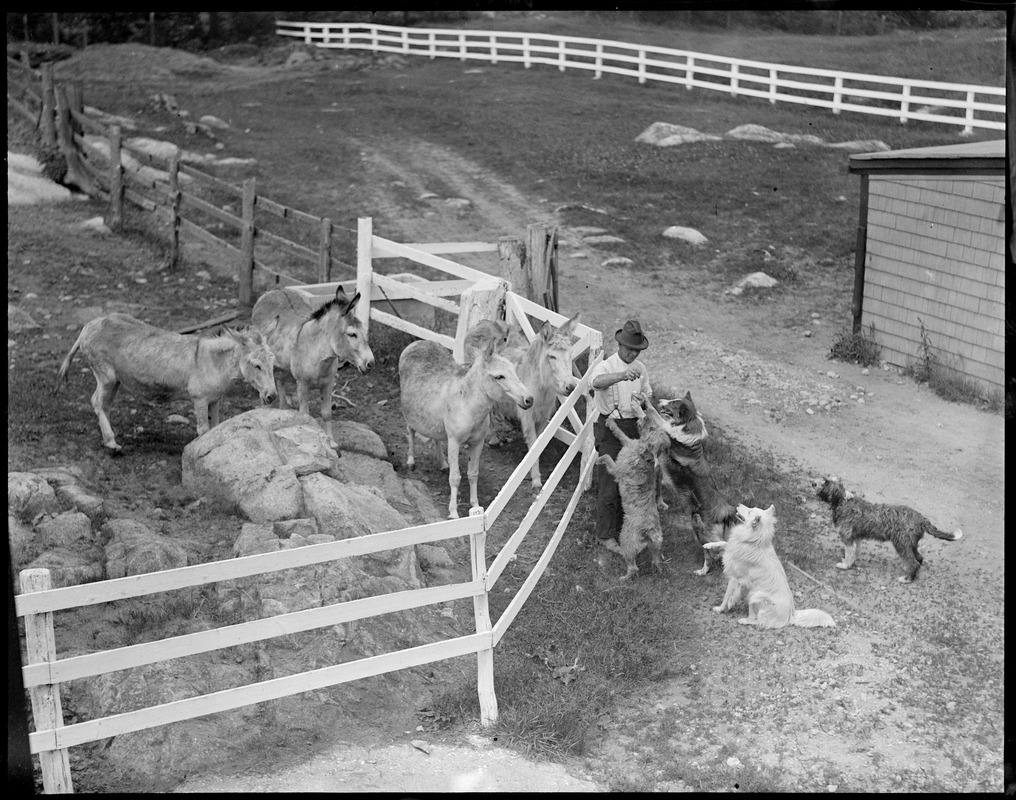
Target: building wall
(935, 254)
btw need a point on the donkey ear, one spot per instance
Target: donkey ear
(352, 303)
(340, 293)
(488, 351)
(547, 331)
(569, 326)
(687, 396)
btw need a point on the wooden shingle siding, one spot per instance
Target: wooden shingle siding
(935, 252)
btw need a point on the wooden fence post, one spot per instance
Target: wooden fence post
(115, 217)
(510, 255)
(46, 708)
(540, 264)
(364, 270)
(325, 252)
(175, 199)
(485, 299)
(481, 614)
(246, 266)
(76, 174)
(47, 122)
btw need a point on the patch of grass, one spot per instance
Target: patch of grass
(947, 384)
(858, 348)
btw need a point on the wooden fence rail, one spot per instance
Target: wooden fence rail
(971, 106)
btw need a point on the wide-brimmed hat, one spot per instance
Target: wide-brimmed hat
(631, 336)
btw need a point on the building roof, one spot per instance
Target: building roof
(978, 158)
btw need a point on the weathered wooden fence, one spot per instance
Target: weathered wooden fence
(971, 106)
(109, 172)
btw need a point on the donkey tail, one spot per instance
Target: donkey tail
(62, 375)
(949, 537)
(812, 618)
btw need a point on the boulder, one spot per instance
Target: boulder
(664, 134)
(69, 567)
(133, 549)
(72, 495)
(29, 495)
(19, 539)
(348, 510)
(64, 530)
(358, 437)
(689, 235)
(758, 280)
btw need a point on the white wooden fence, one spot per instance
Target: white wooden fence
(971, 106)
(37, 602)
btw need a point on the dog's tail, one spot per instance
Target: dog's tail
(66, 365)
(949, 537)
(812, 618)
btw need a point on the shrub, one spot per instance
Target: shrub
(857, 348)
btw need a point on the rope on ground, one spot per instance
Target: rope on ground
(826, 586)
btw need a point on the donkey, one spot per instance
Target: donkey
(544, 365)
(313, 344)
(148, 360)
(445, 401)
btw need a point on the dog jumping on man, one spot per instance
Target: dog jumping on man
(637, 474)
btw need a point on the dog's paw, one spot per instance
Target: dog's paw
(719, 609)
(905, 579)
(746, 621)
(703, 571)
(714, 545)
(842, 565)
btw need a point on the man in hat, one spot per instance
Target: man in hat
(619, 382)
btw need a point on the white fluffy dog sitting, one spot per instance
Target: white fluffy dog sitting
(754, 570)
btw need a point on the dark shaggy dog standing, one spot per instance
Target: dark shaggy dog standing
(689, 473)
(857, 519)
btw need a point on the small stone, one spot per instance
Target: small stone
(809, 411)
(807, 334)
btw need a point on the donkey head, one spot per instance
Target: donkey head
(502, 379)
(257, 362)
(555, 346)
(348, 337)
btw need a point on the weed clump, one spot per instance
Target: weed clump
(858, 348)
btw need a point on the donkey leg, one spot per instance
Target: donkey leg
(411, 455)
(473, 471)
(529, 432)
(213, 412)
(326, 409)
(454, 478)
(102, 399)
(201, 409)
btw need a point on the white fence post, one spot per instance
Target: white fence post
(432, 41)
(689, 73)
(562, 55)
(481, 613)
(405, 41)
(733, 80)
(462, 46)
(46, 709)
(969, 116)
(364, 270)
(373, 39)
(599, 62)
(525, 53)
(905, 104)
(773, 76)
(838, 94)
(642, 66)
(493, 49)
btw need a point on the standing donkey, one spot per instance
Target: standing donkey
(148, 360)
(312, 344)
(449, 402)
(545, 366)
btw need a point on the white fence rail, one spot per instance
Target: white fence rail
(968, 105)
(37, 602)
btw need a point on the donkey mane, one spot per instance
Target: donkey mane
(341, 303)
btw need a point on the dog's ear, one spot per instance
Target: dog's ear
(771, 509)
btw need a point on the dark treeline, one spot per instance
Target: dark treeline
(202, 30)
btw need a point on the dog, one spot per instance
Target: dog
(636, 473)
(688, 472)
(856, 519)
(755, 572)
